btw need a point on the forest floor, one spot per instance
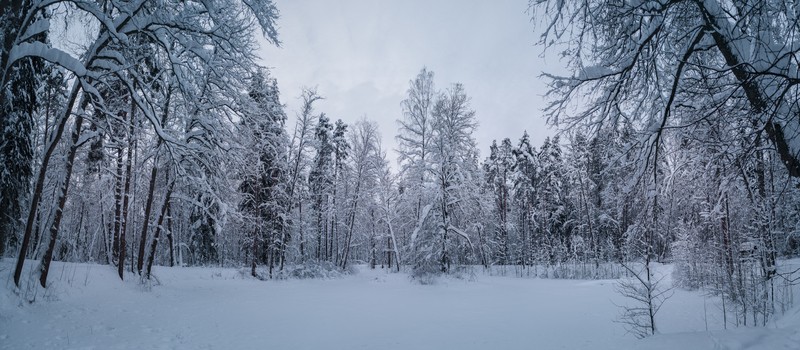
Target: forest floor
(87, 307)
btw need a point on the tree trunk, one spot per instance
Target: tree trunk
(389, 252)
(126, 193)
(334, 222)
(726, 240)
(302, 233)
(164, 212)
(103, 227)
(37, 192)
(504, 218)
(147, 208)
(445, 260)
(373, 260)
(321, 228)
(36, 238)
(282, 256)
(80, 243)
(151, 189)
(271, 252)
(118, 185)
(169, 235)
(254, 251)
(393, 238)
(351, 223)
(62, 200)
(752, 90)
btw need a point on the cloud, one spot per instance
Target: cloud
(362, 53)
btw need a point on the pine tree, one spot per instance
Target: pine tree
(498, 172)
(524, 198)
(19, 101)
(321, 180)
(265, 185)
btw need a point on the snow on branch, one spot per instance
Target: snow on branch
(53, 55)
(461, 233)
(266, 13)
(40, 26)
(422, 217)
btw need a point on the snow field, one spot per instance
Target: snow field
(215, 308)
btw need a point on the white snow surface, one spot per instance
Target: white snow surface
(88, 307)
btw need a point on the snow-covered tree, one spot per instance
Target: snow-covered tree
(175, 33)
(321, 182)
(454, 168)
(264, 186)
(301, 144)
(661, 63)
(415, 135)
(524, 197)
(498, 170)
(19, 101)
(365, 142)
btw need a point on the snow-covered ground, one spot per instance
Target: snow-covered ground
(213, 308)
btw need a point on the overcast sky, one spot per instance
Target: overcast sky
(361, 54)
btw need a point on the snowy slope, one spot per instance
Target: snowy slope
(213, 308)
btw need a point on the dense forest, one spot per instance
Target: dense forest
(163, 142)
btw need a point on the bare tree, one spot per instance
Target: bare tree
(364, 139)
(454, 162)
(300, 144)
(647, 295)
(672, 64)
(415, 134)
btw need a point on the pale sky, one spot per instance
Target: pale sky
(361, 54)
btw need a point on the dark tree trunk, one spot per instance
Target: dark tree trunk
(62, 200)
(254, 248)
(373, 260)
(169, 235)
(282, 257)
(754, 94)
(327, 239)
(445, 260)
(151, 189)
(329, 244)
(147, 208)
(726, 241)
(118, 185)
(254, 252)
(37, 192)
(126, 193)
(302, 233)
(104, 229)
(160, 222)
(320, 233)
(351, 223)
(389, 252)
(767, 239)
(36, 233)
(271, 252)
